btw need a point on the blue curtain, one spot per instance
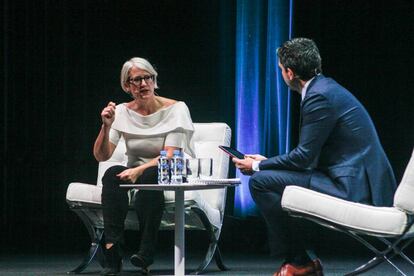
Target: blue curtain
(262, 98)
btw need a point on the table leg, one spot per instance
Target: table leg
(179, 250)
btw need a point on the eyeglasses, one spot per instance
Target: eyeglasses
(138, 80)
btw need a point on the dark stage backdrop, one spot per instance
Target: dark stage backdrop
(61, 62)
(367, 47)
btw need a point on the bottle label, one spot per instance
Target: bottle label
(177, 165)
(163, 170)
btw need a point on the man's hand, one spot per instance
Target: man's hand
(130, 175)
(244, 165)
(256, 157)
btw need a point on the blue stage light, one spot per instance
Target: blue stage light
(262, 98)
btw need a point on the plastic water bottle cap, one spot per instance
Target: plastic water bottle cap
(163, 152)
(177, 152)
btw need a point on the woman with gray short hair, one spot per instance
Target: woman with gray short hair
(148, 124)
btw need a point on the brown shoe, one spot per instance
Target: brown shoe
(313, 268)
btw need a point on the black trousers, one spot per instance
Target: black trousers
(149, 206)
(286, 235)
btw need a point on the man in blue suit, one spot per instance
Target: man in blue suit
(339, 153)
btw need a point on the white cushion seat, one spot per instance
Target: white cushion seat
(82, 192)
(381, 221)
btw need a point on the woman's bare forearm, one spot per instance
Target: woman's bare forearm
(103, 149)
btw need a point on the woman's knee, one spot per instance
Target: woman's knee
(149, 176)
(110, 176)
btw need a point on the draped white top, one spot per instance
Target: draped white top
(146, 136)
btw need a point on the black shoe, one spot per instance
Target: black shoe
(142, 262)
(113, 261)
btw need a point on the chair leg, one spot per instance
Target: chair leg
(213, 250)
(395, 266)
(387, 254)
(207, 259)
(379, 258)
(396, 249)
(402, 254)
(367, 266)
(96, 235)
(219, 260)
(93, 250)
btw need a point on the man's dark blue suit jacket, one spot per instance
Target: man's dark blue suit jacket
(339, 144)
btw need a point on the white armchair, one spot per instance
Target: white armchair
(393, 226)
(204, 209)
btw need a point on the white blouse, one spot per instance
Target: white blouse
(146, 136)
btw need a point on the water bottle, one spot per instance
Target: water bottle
(163, 168)
(177, 166)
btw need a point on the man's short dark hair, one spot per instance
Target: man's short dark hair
(301, 55)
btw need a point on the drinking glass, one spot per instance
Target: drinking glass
(206, 168)
(192, 168)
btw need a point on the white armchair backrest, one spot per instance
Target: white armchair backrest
(403, 198)
(207, 137)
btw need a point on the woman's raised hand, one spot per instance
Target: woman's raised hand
(108, 114)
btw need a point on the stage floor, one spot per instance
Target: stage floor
(239, 264)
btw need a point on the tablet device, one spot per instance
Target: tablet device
(232, 152)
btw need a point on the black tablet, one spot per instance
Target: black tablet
(232, 152)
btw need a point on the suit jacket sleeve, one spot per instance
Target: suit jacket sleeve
(318, 120)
